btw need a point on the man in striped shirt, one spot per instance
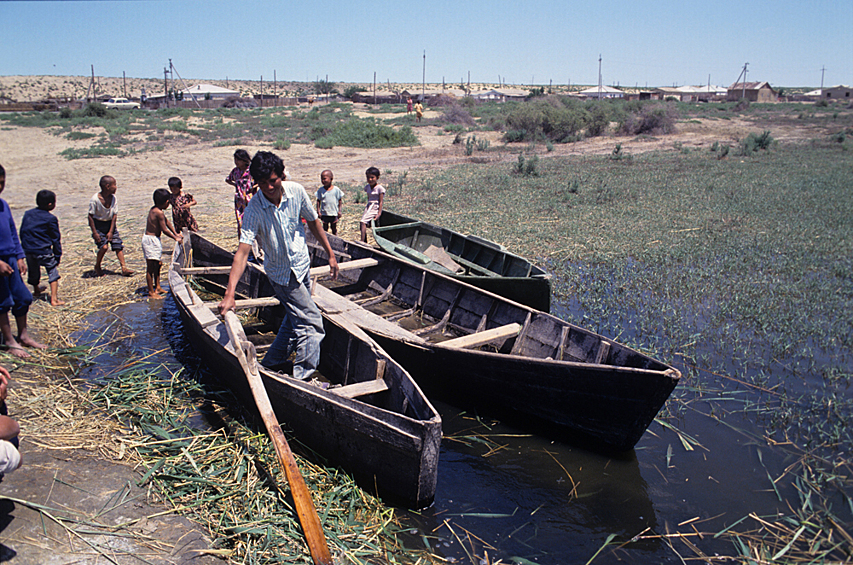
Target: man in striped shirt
(274, 220)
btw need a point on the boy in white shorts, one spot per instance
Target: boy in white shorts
(152, 249)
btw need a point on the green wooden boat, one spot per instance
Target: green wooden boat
(468, 258)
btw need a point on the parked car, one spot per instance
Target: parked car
(122, 103)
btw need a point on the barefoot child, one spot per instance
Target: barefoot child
(182, 216)
(103, 211)
(14, 294)
(329, 202)
(42, 244)
(375, 197)
(151, 247)
(244, 187)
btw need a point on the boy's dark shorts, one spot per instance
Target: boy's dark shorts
(36, 262)
(329, 219)
(103, 228)
(14, 294)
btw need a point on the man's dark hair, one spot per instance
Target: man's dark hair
(175, 181)
(264, 164)
(2, 171)
(373, 171)
(161, 196)
(44, 198)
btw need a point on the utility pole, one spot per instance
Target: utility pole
(124, 83)
(423, 80)
(743, 92)
(166, 85)
(599, 76)
(822, 69)
(374, 87)
(262, 91)
(275, 88)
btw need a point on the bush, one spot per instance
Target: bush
(652, 119)
(351, 90)
(441, 100)
(98, 110)
(367, 134)
(456, 114)
(753, 142)
(529, 168)
(282, 144)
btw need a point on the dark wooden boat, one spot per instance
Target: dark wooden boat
(476, 348)
(473, 260)
(362, 412)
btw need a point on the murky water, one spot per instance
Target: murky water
(525, 498)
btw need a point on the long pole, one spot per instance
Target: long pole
(275, 88)
(166, 85)
(374, 88)
(305, 509)
(423, 80)
(599, 76)
(743, 91)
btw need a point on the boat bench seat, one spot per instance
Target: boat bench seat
(484, 337)
(475, 267)
(361, 389)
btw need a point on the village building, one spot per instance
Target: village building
(841, 92)
(752, 91)
(600, 92)
(500, 94)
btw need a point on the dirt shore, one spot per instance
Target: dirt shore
(83, 480)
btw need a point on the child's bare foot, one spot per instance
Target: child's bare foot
(18, 351)
(125, 272)
(155, 294)
(56, 302)
(38, 290)
(98, 271)
(30, 342)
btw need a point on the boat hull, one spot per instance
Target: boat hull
(575, 382)
(395, 451)
(481, 263)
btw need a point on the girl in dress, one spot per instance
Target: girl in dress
(244, 187)
(182, 217)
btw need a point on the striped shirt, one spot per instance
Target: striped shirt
(280, 232)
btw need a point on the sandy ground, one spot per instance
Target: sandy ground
(32, 161)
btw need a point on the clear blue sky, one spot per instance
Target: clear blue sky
(660, 43)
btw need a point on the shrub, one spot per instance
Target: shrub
(652, 119)
(753, 142)
(367, 134)
(98, 110)
(529, 168)
(351, 90)
(282, 144)
(456, 114)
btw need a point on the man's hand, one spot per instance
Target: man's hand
(226, 304)
(22, 266)
(5, 269)
(333, 267)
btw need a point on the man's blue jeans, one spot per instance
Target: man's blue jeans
(301, 330)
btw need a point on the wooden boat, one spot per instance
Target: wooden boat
(473, 260)
(476, 348)
(367, 415)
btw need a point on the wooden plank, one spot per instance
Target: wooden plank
(223, 270)
(346, 266)
(481, 338)
(248, 303)
(341, 254)
(603, 350)
(338, 307)
(361, 389)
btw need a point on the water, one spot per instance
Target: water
(515, 497)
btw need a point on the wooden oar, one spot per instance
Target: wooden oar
(301, 495)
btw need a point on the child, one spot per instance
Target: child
(10, 458)
(42, 244)
(182, 217)
(241, 179)
(329, 202)
(103, 212)
(375, 197)
(14, 294)
(151, 247)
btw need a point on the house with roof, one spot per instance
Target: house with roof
(500, 94)
(208, 92)
(841, 92)
(752, 91)
(600, 92)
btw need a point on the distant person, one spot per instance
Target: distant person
(408, 105)
(244, 187)
(10, 457)
(329, 202)
(152, 248)
(375, 198)
(182, 216)
(42, 244)
(419, 110)
(273, 218)
(14, 294)
(103, 213)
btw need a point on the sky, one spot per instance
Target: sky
(640, 43)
